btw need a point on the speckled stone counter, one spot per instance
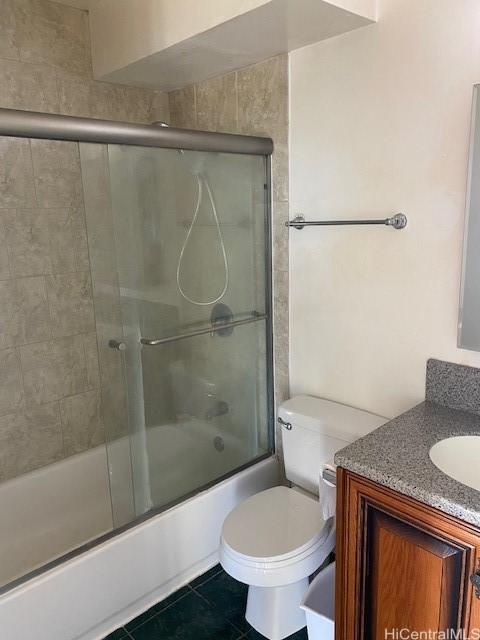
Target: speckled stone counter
(397, 456)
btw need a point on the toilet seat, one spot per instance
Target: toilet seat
(276, 537)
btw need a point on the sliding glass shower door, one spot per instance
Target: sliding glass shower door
(178, 244)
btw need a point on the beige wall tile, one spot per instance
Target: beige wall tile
(71, 303)
(57, 173)
(82, 97)
(16, 173)
(11, 387)
(280, 165)
(68, 240)
(82, 425)
(182, 108)
(280, 236)
(54, 34)
(135, 104)
(263, 96)
(27, 237)
(24, 312)
(91, 360)
(8, 314)
(216, 101)
(53, 370)
(34, 323)
(44, 241)
(9, 45)
(160, 106)
(86, 98)
(263, 110)
(28, 86)
(29, 440)
(5, 271)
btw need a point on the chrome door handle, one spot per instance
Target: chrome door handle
(116, 344)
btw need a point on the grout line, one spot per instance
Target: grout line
(172, 603)
(54, 339)
(199, 595)
(219, 570)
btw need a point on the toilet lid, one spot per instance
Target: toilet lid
(273, 525)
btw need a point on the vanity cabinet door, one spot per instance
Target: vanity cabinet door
(401, 566)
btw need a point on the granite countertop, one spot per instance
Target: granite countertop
(397, 456)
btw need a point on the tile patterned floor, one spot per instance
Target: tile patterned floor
(212, 607)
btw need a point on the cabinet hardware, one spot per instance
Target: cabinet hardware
(475, 580)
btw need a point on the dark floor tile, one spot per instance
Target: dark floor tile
(143, 617)
(299, 635)
(190, 618)
(173, 597)
(229, 596)
(118, 634)
(206, 576)
(160, 606)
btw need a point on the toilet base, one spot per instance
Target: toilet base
(275, 611)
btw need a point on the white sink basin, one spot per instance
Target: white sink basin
(459, 458)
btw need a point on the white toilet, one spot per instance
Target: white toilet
(276, 539)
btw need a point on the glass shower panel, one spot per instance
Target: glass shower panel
(218, 420)
(183, 250)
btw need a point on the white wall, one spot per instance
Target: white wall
(379, 124)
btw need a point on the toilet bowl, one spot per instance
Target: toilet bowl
(276, 539)
(273, 541)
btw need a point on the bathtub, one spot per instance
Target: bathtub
(55, 509)
(50, 511)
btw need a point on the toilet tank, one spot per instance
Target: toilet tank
(319, 428)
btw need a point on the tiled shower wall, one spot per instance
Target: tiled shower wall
(49, 374)
(252, 101)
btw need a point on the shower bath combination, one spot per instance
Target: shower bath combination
(179, 411)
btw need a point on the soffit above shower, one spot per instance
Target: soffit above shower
(168, 44)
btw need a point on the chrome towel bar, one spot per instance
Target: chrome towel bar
(398, 221)
(153, 342)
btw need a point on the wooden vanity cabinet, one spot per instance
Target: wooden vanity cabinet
(401, 565)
